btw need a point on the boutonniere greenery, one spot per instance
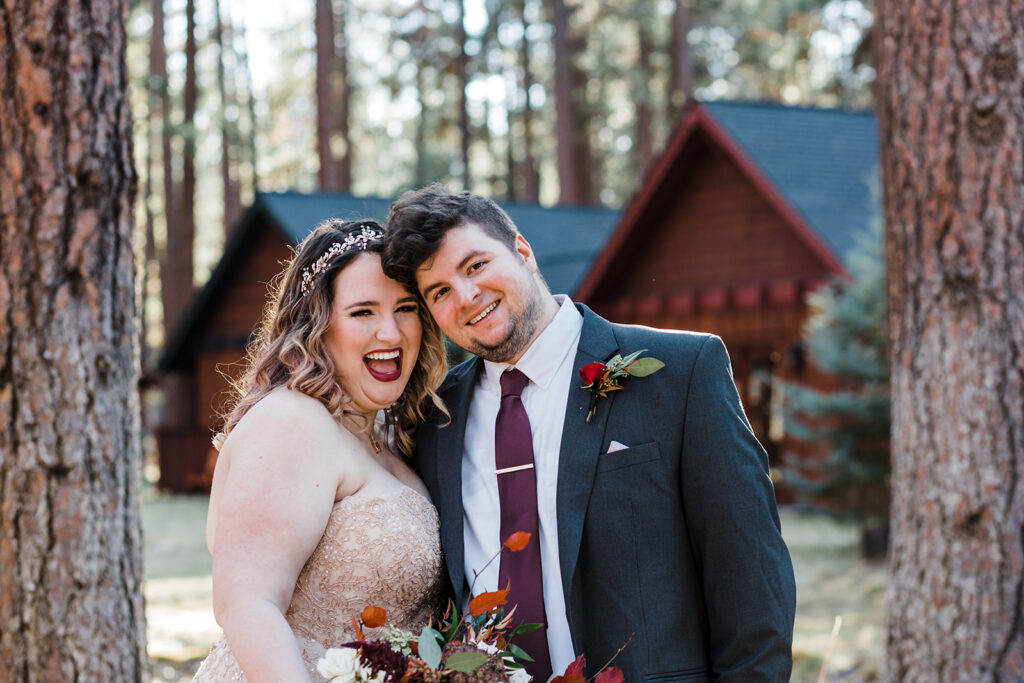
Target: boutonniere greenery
(604, 378)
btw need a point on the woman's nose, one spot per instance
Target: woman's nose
(388, 331)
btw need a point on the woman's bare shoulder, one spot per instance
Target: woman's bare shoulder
(291, 420)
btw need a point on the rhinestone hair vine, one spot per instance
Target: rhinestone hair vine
(352, 241)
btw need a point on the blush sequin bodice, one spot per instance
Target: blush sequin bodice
(381, 550)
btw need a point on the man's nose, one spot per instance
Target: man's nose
(466, 291)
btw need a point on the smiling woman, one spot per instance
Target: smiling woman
(334, 288)
(374, 335)
(312, 516)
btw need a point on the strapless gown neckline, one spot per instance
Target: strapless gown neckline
(381, 549)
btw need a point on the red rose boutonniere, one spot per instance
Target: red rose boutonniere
(603, 378)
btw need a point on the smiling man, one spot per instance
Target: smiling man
(654, 520)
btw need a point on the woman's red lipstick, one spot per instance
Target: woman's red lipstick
(384, 369)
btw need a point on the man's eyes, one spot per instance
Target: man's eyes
(439, 293)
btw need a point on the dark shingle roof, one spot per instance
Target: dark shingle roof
(823, 161)
(298, 213)
(565, 239)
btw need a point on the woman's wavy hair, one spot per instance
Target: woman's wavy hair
(289, 348)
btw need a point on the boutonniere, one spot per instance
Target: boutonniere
(604, 378)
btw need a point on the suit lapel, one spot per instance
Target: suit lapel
(450, 442)
(581, 444)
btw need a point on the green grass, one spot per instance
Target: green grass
(831, 580)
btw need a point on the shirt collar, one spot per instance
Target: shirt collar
(542, 359)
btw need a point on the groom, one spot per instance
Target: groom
(655, 518)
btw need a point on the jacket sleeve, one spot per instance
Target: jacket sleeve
(733, 524)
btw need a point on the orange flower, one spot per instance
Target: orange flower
(517, 541)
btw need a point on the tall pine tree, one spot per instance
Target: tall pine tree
(843, 464)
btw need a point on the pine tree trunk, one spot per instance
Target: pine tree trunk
(345, 111)
(952, 114)
(644, 117)
(228, 167)
(325, 99)
(250, 108)
(181, 232)
(158, 74)
(681, 84)
(71, 606)
(572, 136)
(463, 71)
(531, 176)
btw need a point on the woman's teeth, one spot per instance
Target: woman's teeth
(384, 355)
(483, 314)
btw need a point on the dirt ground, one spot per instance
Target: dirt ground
(831, 581)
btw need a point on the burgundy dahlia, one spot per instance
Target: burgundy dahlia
(377, 656)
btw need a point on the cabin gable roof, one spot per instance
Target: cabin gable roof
(813, 166)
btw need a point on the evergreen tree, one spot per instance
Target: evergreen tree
(842, 463)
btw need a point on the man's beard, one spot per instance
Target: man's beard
(522, 327)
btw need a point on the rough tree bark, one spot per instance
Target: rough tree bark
(71, 606)
(952, 113)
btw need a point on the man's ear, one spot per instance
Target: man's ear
(525, 251)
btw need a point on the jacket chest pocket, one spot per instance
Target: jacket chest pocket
(628, 457)
(688, 675)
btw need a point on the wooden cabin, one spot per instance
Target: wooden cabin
(750, 207)
(212, 334)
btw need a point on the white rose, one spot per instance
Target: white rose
(520, 676)
(486, 647)
(339, 664)
(366, 674)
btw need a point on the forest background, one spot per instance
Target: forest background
(525, 101)
(520, 100)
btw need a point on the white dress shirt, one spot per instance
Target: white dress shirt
(548, 363)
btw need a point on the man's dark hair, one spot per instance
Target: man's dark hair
(419, 219)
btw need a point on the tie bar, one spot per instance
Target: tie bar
(517, 468)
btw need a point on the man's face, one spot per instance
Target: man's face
(484, 296)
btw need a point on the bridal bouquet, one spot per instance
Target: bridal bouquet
(475, 646)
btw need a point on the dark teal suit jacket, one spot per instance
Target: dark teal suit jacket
(675, 539)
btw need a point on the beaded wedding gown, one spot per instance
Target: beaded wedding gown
(381, 550)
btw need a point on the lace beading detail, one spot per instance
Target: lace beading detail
(382, 550)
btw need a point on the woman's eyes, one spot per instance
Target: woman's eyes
(366, 312)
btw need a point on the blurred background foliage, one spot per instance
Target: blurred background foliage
(560, 101)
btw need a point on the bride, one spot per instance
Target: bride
(312, 516)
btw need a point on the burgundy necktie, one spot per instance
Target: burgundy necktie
(517, 493)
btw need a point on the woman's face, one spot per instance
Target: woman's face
(374, 335)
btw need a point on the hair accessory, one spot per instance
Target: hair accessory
(354, 240)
